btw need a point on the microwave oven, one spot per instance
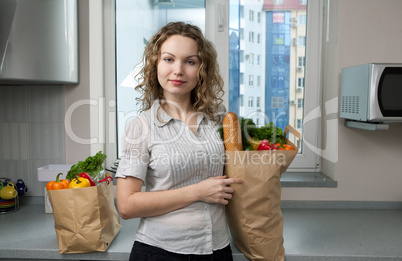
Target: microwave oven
(372, 93)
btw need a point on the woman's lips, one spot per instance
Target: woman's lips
(177, 82)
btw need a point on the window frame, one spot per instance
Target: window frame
(305, 161)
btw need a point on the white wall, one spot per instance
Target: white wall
(369, 166)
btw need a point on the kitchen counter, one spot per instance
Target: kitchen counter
(310, 234)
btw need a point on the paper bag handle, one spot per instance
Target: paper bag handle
(294, 132)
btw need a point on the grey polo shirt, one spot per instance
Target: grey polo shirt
(166, 154)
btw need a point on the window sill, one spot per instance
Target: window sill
(307, 179)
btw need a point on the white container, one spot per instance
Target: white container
(49, 172)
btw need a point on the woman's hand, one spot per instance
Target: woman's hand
(132, 203)
(216, 189)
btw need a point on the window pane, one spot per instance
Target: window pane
(136, 22)
(280, 54)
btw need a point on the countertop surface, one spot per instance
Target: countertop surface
(310, 234)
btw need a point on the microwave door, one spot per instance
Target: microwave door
(390, 93)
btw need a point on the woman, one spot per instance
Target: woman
(174, 147)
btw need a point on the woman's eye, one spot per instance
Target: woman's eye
(168, 59)
(190, 62)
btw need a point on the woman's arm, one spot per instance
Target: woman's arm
(132, 203)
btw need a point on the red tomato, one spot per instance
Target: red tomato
(264, 145)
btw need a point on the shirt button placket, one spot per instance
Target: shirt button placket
(208, 227)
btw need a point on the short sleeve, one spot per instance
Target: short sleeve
(135, 153)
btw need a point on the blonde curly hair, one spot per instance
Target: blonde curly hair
(206, 96)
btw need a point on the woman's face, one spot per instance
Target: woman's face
(178, 66)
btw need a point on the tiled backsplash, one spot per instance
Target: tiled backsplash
(31, 132)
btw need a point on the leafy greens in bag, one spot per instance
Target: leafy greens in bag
(250, 132)
(93, 165)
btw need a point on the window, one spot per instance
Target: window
(137, 20)
(277, 102)
(301, 41)
(258, 102)
(251, 37)
(251, 59)
(300, 82)
(302, 19)
(250, 101)
(301, 61)
(251, 15)
(251, 80)
(300, 103)
(284, 51)
(299, 124)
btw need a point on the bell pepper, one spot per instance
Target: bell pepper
(79, 182)
(89, 178)
(58, 184)
(265, 145)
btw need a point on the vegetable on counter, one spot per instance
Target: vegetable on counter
(93, 165)
(58, 184)
(86, 176)
(79, 183)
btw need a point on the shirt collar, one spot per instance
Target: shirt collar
(165, 118)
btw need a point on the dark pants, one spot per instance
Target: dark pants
(144, 252)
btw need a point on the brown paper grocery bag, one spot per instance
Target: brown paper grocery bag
(85, 219)
(254, 212)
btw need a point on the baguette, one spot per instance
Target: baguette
(232, 132)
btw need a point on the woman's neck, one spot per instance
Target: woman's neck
(178, 109)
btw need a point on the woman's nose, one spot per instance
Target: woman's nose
(178, 69)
